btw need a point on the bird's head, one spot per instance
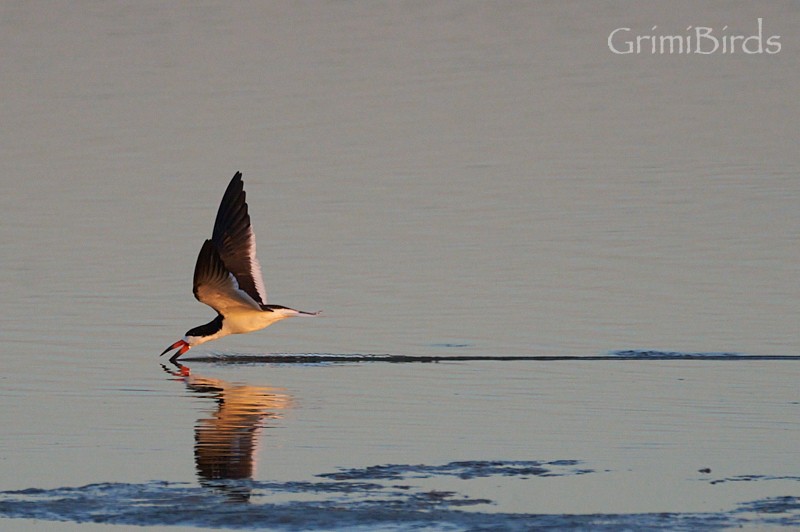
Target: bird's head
(193, 337)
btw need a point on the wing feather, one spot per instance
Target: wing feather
(235, 241)
(215, 286)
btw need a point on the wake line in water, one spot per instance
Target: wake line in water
(316, 358)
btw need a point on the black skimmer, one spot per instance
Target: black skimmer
(227, 278)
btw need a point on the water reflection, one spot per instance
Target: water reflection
(226, 442)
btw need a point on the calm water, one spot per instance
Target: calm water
(444, 180)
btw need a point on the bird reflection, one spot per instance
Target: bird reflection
(226, 442)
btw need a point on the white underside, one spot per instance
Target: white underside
(246, 321)
(243, 321)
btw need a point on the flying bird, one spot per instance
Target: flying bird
(227, 278)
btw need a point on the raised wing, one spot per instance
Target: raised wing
(215, 286)
(235, 241)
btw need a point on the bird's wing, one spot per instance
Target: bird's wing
(215, 286)
(235, 241)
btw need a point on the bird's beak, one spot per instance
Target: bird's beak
(179, 344)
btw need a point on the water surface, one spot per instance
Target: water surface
(447, 181)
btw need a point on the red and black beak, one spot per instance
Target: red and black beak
(180, 345)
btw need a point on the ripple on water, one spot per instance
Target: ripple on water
(366, 497)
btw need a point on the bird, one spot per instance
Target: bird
(227, 278)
